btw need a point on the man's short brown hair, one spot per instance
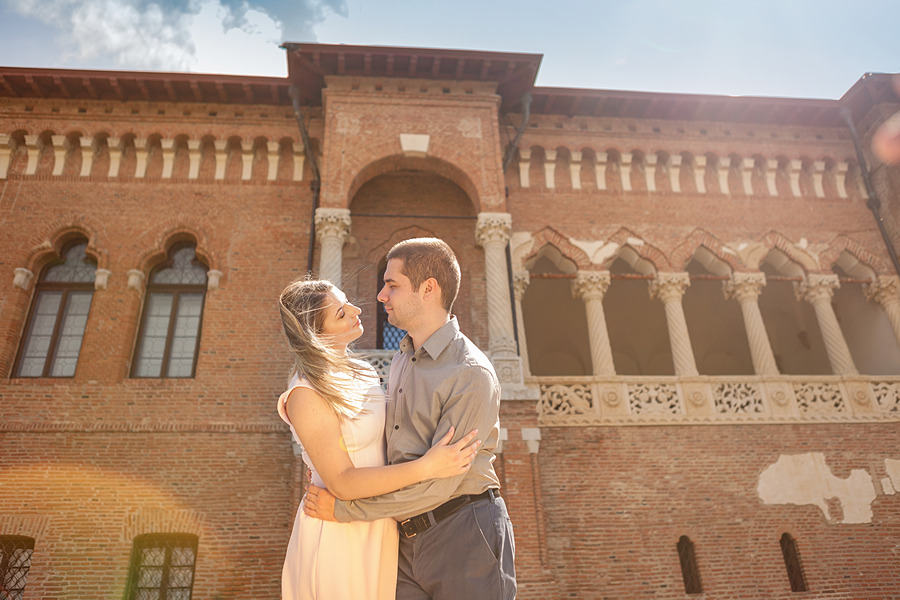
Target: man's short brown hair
(424, 258)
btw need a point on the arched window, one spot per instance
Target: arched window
(389, 336)
(792, 563)
(162, 566)
(170, 329)
(15, 562)
(689, 570)
(62, 300)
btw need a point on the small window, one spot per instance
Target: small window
(162, 567)
(15, 562)
(689, 570)
(58, 317)
(792, 563)
(173, 310)
(389, 336)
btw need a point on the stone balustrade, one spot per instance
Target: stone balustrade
(703, 400)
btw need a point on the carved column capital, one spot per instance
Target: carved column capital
(493, 228)
(333, 223)
(744, 287)
(590, 285)
(521, 280)
(669, 286)
(884, 290)
(817, 288)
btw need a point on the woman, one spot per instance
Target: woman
(336, 408)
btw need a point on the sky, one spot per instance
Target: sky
(785, 48)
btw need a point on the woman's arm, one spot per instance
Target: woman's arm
(319, 430)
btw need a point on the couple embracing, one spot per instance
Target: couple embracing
(403, 501)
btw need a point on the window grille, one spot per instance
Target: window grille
(15, 562)
(792, 563)
(173, 311)
(689, 570)
(58, 317)
(162, 567)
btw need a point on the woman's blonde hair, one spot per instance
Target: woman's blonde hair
(329, 372)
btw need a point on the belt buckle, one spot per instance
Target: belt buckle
(403, 529)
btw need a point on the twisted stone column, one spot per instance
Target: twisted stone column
(745, 288)
(886, 292)
(670, 287)
(492, 233)
(818, 289)
(591, 286)
(521, 279)
(332, 230)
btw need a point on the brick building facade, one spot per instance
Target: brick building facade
(693, 312)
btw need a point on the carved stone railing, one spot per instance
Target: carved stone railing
(380, 360)
(577, 401)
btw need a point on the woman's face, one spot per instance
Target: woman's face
(341, 324)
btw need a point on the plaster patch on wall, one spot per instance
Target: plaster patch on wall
(807, 479)
(470, 127)
(892, 468)
(636, 242)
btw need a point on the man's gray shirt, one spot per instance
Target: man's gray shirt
(448, 381)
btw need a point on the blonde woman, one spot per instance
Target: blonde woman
(336, 411)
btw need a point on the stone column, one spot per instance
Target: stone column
(670, 287)
(550, 169)
(591, 286)
(60, 150)
(5, 154)
(818, 289)
(521, 279)
(492, 233)
(194, 155)
(886, 292)
(745, 288)
(524, 168)
(88, 149)
(114, 145)
(332, 230)
(575, 170)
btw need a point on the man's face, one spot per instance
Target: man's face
(403, 304)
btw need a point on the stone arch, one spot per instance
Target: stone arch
(624, 237)
(430, 164)
(775, 240)
(171, 232)
(548, 235)
(698, 238)
(840, 244)
(379, 251)
(48, 246)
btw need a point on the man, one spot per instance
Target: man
(456, 539)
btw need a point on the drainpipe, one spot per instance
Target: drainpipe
(510, 152)
(873, 201)
(316, 183)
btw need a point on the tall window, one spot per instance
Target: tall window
(15, 562)
(792, 563)
(389, 336)
(170, 329)
(162, 567)
(58, 316)
(689, 570)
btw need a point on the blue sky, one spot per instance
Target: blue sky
(791, 48)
